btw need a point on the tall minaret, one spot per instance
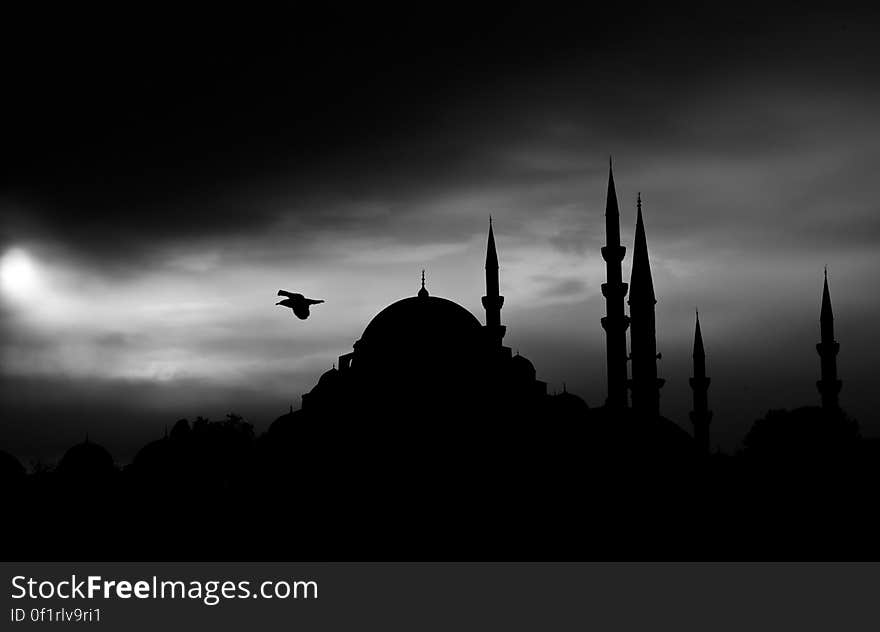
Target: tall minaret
(829, 385)
(493, 300)
(614, 289)
(700, 415)
(645, 384)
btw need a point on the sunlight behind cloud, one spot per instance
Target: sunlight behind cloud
(19, 276)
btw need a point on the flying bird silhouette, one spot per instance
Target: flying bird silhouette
(298, 303)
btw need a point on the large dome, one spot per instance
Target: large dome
(421, 318)
(423, 348)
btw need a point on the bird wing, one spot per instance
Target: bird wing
(301, 310)
(289, 294)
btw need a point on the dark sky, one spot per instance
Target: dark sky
(163, 176)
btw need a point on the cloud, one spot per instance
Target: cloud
(567, 288)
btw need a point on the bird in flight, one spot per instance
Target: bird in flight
(298, 303)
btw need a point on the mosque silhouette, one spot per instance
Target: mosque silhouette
(432, 439)
(429, 358)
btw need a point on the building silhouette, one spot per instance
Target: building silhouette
(431, 437)
(87, 460)
(429, 356)
(615, 321)
(700, 415)
(493, 301)
(427, 360)
(829, 385)
(644, 384)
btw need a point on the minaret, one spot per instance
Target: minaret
(700, 415)
(493, 300)
(645, 384)
(614, 289)
(829, 385)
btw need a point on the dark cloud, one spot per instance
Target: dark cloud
(118, 144)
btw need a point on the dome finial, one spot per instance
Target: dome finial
(423, 292)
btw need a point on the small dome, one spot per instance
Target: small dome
(326, 386)
(567, 403)
(86, 459)
(155, 452)
(328, 377)
(286, 423)
(522, 366)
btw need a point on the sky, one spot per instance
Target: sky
(162, 180)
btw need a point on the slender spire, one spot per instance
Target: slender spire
(700, 415)
(826, 316)
(828, 348)
(615, 321)
(612, 211)
(645, 384)
(699, 352)
(491, 251)
(493, 301)
(641, 283)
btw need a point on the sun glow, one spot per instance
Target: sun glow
(19, 277)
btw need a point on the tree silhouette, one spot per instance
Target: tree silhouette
(803, 433)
